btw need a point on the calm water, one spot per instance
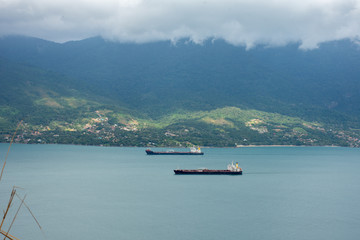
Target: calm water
(80, 192)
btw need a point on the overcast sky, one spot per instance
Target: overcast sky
(239, 22)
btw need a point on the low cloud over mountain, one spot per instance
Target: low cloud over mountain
(239, 22)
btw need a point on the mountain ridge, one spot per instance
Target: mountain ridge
(150, 82)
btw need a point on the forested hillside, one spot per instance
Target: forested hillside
(99, 92)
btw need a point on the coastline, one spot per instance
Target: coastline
(177, 147)
(241, 146)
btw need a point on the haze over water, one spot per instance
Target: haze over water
(81, 192)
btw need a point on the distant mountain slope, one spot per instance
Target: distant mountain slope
(73, 87)
(164, 77)
(39, 97)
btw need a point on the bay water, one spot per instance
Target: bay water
(87, 192)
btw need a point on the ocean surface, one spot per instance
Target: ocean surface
(83, 192)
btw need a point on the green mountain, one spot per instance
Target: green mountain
(215, 94)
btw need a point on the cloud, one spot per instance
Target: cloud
(239, 22)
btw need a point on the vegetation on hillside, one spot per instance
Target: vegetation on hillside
(100, 93)
(226, 127)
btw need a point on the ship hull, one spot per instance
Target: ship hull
(149, 152)
(207, 172)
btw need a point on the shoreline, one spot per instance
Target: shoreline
(237, 146)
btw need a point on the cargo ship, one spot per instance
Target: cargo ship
(193, 151)
(231, 170)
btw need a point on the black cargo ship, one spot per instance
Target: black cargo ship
(193, 151)
(231, 170)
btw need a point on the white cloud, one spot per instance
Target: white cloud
(239, 22)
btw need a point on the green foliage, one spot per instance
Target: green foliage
(158, 94)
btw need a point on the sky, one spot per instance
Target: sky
(239, 22)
